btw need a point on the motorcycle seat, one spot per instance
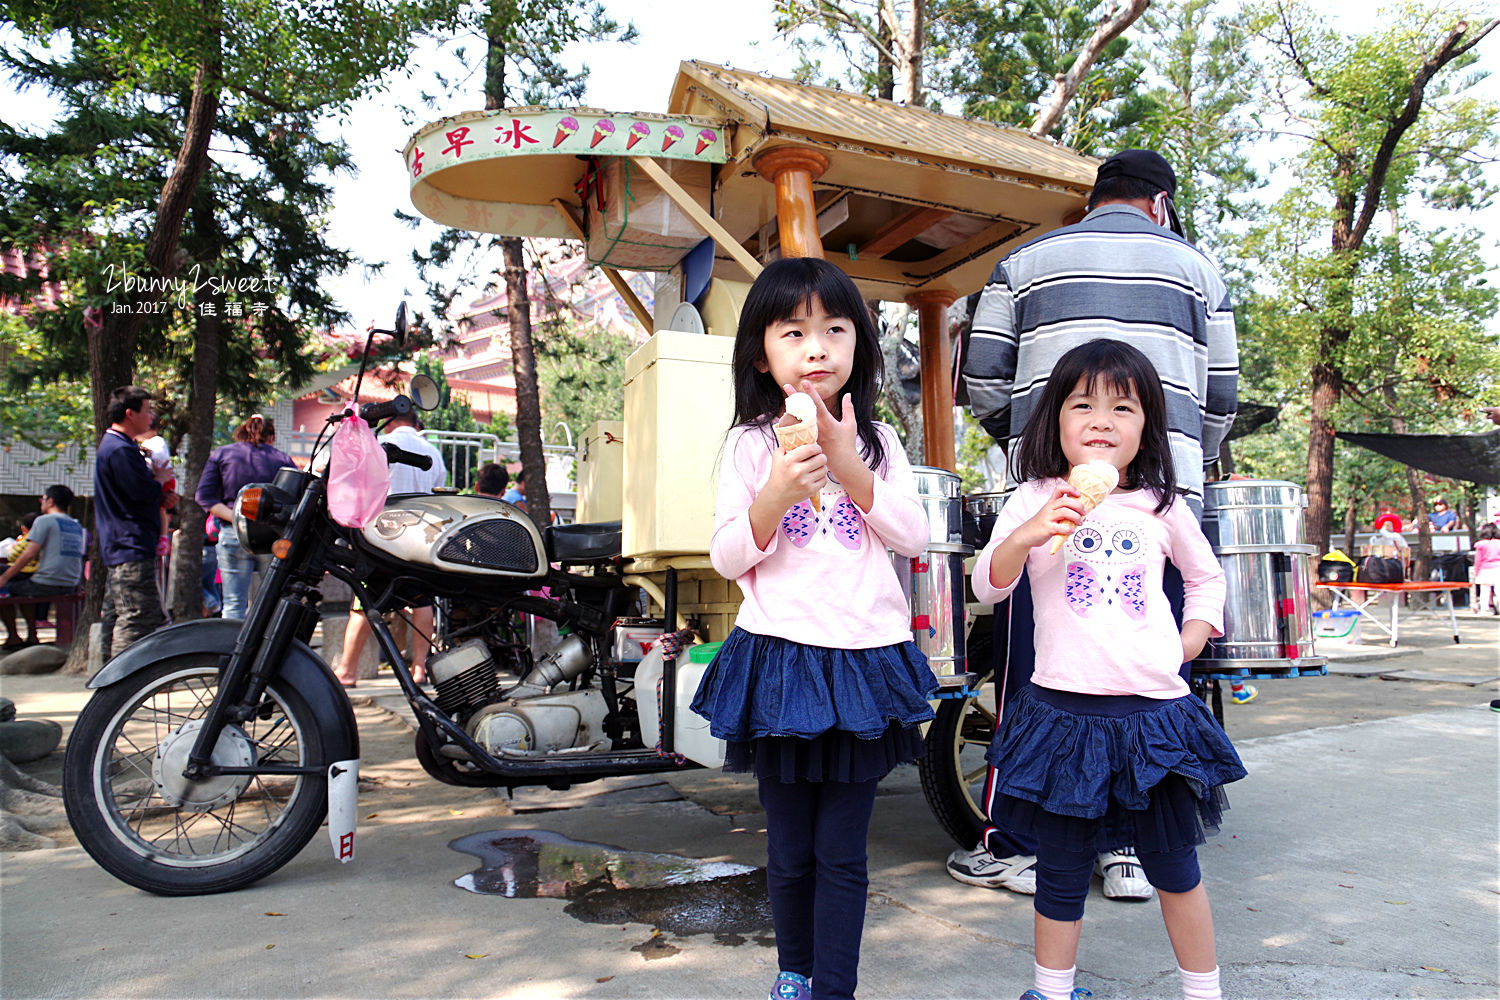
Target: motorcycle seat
(582, 543)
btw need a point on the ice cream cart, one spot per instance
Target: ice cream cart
(916, 206)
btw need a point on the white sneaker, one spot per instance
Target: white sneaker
(1122, 874)
(980, 867)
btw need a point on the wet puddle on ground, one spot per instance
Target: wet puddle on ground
(609, 885)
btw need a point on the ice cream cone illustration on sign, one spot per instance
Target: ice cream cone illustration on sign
(638, 131)
(1095, 481)
(799, 426)
(673, 133)
(565, 128)
(706, 138)
(603, 129)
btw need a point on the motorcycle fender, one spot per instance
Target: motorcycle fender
(302, 669)
(343, 803)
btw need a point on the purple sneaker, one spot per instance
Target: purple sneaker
(791, 986)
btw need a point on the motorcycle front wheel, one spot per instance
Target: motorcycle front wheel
(147, 825)
(953, 771)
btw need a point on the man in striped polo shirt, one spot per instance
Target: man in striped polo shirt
(1124, 273)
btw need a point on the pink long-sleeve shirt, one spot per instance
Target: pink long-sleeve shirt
(1486, 556)
(824, 579)
(1103, 624)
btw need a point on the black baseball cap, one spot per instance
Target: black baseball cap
(1145, 165)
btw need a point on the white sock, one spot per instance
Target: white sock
(1055, 984)
(1200, 985)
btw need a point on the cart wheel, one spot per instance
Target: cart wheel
(954, 770)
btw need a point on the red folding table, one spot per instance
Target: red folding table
(1372, 592)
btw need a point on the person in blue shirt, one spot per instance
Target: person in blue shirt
(128, 502)
(55, 543)
(1442, 518)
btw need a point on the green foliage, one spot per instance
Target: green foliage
(84, 193)
(581, 372)
(501, 425)
(453, 413)
(1002, 58)
(1199, 114)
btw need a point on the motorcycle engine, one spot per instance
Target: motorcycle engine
(527, 719)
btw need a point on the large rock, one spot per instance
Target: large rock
(7, 710)
(29, 739)
(33, 660)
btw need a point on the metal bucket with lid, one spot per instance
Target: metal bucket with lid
(1256, 529)
(936, 578)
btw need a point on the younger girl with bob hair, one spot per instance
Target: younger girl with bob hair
(1107, 747)
(818, 690)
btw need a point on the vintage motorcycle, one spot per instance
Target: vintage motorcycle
(212, 751)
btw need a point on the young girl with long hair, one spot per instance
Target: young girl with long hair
(1106, 747)
(818, 690)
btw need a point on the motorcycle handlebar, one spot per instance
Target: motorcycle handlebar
(400, 456)
(373, 413)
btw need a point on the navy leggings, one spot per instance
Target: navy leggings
(1013, 658)
(817, 876)
(1062, 877)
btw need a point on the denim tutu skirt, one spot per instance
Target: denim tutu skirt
(1092, 773)
(796, 712)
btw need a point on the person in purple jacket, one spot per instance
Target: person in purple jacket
(252, 458)
(127, 515)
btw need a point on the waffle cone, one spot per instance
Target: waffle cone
(1094, 484)
(795, 436)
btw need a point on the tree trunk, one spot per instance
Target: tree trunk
(1351, 519)
(1325, 396)
(1067, 84)
(518, 300)
(112, 340)
(528, 399)
(906, 46)
(186, 599)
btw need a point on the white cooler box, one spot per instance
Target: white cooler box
(1337, 628)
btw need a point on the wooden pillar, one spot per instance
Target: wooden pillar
(937, 376)
(793, 169)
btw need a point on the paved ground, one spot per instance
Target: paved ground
(1359, 861)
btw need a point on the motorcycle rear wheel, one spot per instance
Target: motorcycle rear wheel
(146, 825)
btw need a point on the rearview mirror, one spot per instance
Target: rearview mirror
(423, 390)
(401, 327)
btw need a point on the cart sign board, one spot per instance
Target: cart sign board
(578, 131)
(501, 171)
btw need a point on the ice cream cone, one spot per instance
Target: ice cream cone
(706, 138)
(802, 430)
(565, 128)
(602, 130)
(1095, 481)
(670, 137)
(638, 131)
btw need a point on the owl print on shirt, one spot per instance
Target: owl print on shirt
(1104, 568)
(837, 526)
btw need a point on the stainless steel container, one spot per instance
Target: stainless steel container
(937, 577)
(1256, 528)
(980, 511)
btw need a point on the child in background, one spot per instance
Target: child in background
(1107, 747)
(818, 690)
(1487, 570)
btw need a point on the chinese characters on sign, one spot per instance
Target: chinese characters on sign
(546, 131)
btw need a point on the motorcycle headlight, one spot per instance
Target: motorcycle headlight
(255, 517)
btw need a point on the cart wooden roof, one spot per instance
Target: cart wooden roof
(912, 200)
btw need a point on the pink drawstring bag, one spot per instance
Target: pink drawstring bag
(358, 474)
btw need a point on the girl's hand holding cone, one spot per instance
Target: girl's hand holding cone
(839, 439)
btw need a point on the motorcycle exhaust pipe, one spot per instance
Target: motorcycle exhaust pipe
(570, 658)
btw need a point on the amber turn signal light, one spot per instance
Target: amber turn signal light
(280, 548)
(250, 501)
